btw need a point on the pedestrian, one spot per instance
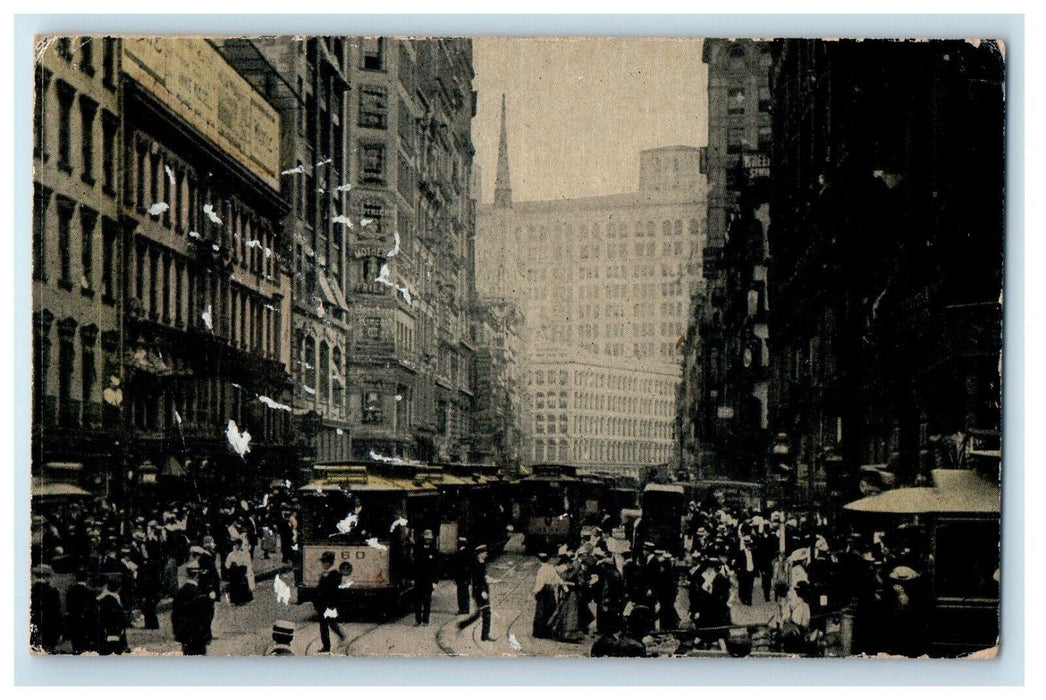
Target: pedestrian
(425, 563)
(210, 579)
(481, 594)
(282, 638)
(547, 586)
(81, 614)
(326, 602)
(463, 575)
(192, 613)
(112, 618)
(150, 575)
(240, 572)
(610, 597)
(45, 611)
(745, 569)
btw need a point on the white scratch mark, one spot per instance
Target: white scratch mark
(396, 248)
(206, 316)
(158, 208)
(274, 404)
(283, 591)
(241, 442)
(294, 171)
(342, 219)
(170, 174)
(208, 209)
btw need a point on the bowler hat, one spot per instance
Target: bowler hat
(327, 557)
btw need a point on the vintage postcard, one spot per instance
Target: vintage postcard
(526, 347)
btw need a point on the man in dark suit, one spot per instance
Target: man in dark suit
(81, 614)
(192, 613)
(481, 594)
(45, 610)
(463, 574)
(745, 569)
(326, 602)
(425, 563)
(112, 619)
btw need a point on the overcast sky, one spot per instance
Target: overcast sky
(580, 110)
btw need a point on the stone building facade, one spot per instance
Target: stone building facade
(409, 160)
(306, 79)
(723, 405)
(176, 210)
(594, 411)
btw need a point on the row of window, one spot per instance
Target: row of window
(585, 449)
(205, 405)
(737, 97)
(67, 124)
(70, 375)
(78, 235)
(171, 290)
(321, 368)
(590, 230)
(156, 176)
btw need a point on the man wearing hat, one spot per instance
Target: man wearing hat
(282, 637)
(192, 613)
(425, 562)
(45, 610)
(210, 577)
(326, 602)
(481, 594)
(463, 574)
(546, 585)
(112, 620)
(81, 613)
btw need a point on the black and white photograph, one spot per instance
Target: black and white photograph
(490, 346)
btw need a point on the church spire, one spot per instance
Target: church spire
(502, 185)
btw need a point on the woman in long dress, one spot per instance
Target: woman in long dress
(565, 621)
(240, 572)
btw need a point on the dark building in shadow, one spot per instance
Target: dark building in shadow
(886, 257)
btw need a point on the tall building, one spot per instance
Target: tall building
(176, 210)
(887, 243)
(500, 409)
(305, 78)
(723, 408)
(410, 363)
(603, 279)
(600, 412)
(78, 338)
(610, 275)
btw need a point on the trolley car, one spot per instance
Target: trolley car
(365, 514)
(550, 508)
(472, 505)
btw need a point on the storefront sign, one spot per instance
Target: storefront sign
(193, 80)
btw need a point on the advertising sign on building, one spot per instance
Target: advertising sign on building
(192, 79)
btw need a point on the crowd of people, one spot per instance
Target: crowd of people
(117, 566)
(806, 570)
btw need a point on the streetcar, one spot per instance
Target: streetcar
(741, 495)
(473, 505)
(549, 506)
(366, 514)
(955, 525)
(661, 521)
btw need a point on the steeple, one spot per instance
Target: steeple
(502, 185)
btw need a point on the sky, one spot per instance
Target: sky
(581, 110)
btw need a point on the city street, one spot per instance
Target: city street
(246, 630)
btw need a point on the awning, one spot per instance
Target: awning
(954, 491)
(58, 490)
